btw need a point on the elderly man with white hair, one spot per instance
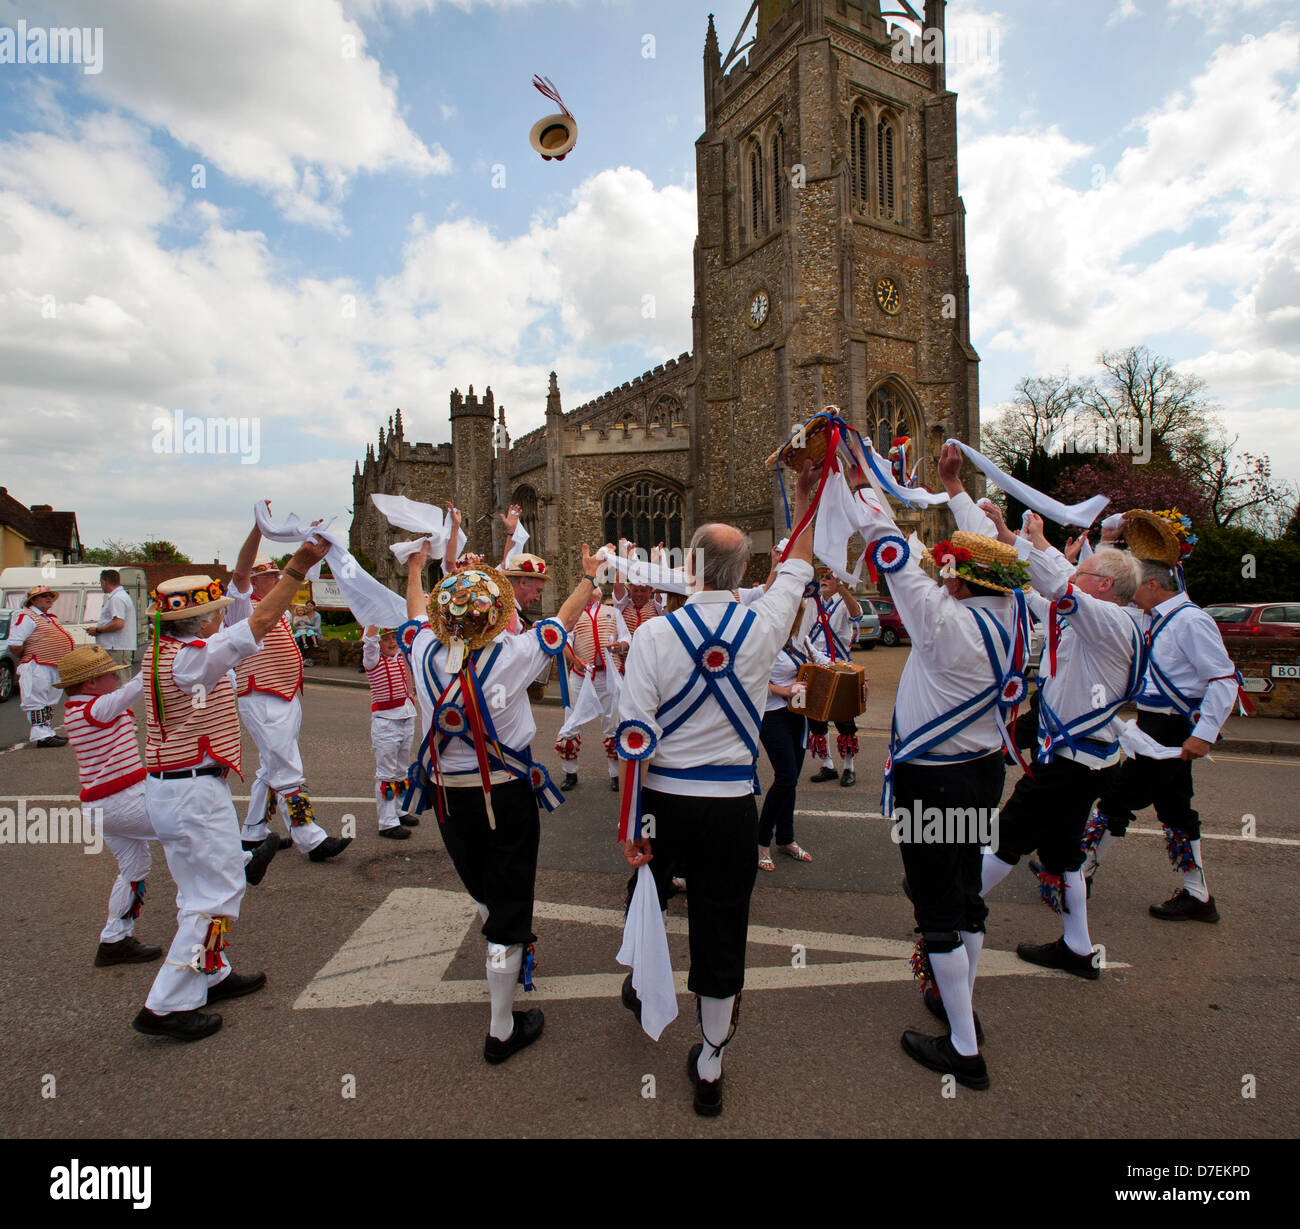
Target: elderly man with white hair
(1094, 662)
(693, 694)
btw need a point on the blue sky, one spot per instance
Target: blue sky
(1128, 172)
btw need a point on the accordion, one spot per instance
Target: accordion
(836, 692)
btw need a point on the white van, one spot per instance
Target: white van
(80, 597)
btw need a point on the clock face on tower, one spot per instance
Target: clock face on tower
(889, 296)
(758, 306)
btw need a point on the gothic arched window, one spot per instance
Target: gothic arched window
(757, 205)
(644, 510)
(887, 194)
(888, 418)
(667, 412)
(778, 175)
(526, 498)
(859, 157)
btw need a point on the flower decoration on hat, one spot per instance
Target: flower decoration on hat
(891, 553)
(981, 561)
(1181, 524)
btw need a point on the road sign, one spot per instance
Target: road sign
(1257, 686)
(1285, 672)
(401, 954)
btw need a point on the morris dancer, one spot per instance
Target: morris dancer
(969, 635)
(392, 722)
(690, 708)
(784, 736)
(1095, 660)
(1187, 694)
(595, 648)
(477, 767)
(833, 618)
(269, 685)
(102, 732)
(39, 640)
(189, 749)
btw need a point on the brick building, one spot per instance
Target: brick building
(830, 268)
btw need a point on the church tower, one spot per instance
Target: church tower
(830, 264)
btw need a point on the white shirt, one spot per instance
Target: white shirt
(785, 669)
(1191, 654)
(241, 607)
(1093, 659)
(207, 662)
(117, 605)
(659, 666)
(110, 706)
(971, 518)
(515, 662)
(370, 654)
(948, 663)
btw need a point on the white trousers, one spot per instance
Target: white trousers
(127, 833)
(196, 822)
(37, 690)
(391, 739)
(274, 725)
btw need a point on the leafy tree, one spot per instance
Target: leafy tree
(132, 552)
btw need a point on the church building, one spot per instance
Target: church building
(830, 269)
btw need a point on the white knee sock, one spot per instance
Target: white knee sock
(1194, 880)
(1076, 921)
(503, 976)
(973, 941)
(994, 872)
(952, 976)
(848, 763)
(715, 1023)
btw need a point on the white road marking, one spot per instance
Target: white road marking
(401, 954)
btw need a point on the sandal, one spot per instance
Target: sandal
(766, 864)
(793, 851)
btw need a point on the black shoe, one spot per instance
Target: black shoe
(253, 846)
(54, 740)
(409, 821)
(125, 951)
(630, 999)
(937, 1054)
(528, 1028)
(255, 870)
(708, 1093)
(1184, 907)
(330, 847)
(824, 774)
(286, 842)
(395, 834)
(570, 780)
(235, 986)
(613, 785)
(1058, 956)
(848, 777)
(178, 1025)
(934, 1005)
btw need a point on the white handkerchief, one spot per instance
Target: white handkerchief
(1081, 515)
(1114, 521)
(837, 520)
(424, 519)
(587, 705)
(645, 952)
(1137, 742)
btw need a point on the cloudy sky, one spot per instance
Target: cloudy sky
(308, 212)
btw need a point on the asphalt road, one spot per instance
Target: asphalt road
(1186, 1019)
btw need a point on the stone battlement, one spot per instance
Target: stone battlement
(624, 390)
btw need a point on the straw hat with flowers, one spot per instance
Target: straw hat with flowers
(186, 597)
(38, 591)
(526, 567)
(1151, 537)
(981, 561)
(85, 663)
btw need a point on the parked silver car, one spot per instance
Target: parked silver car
(8, 662)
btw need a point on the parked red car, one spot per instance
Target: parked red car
(892, 630)
(1256, 618)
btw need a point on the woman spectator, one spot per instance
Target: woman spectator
(306, 629)
(784, 735)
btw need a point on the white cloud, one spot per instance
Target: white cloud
(281, 96)
(1123, 10)
(213, 326)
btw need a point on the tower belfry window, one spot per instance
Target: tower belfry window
(886, 196)
(778, 174)
(859, 158)
(757, 219)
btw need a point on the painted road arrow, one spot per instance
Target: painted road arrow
(401, 954)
